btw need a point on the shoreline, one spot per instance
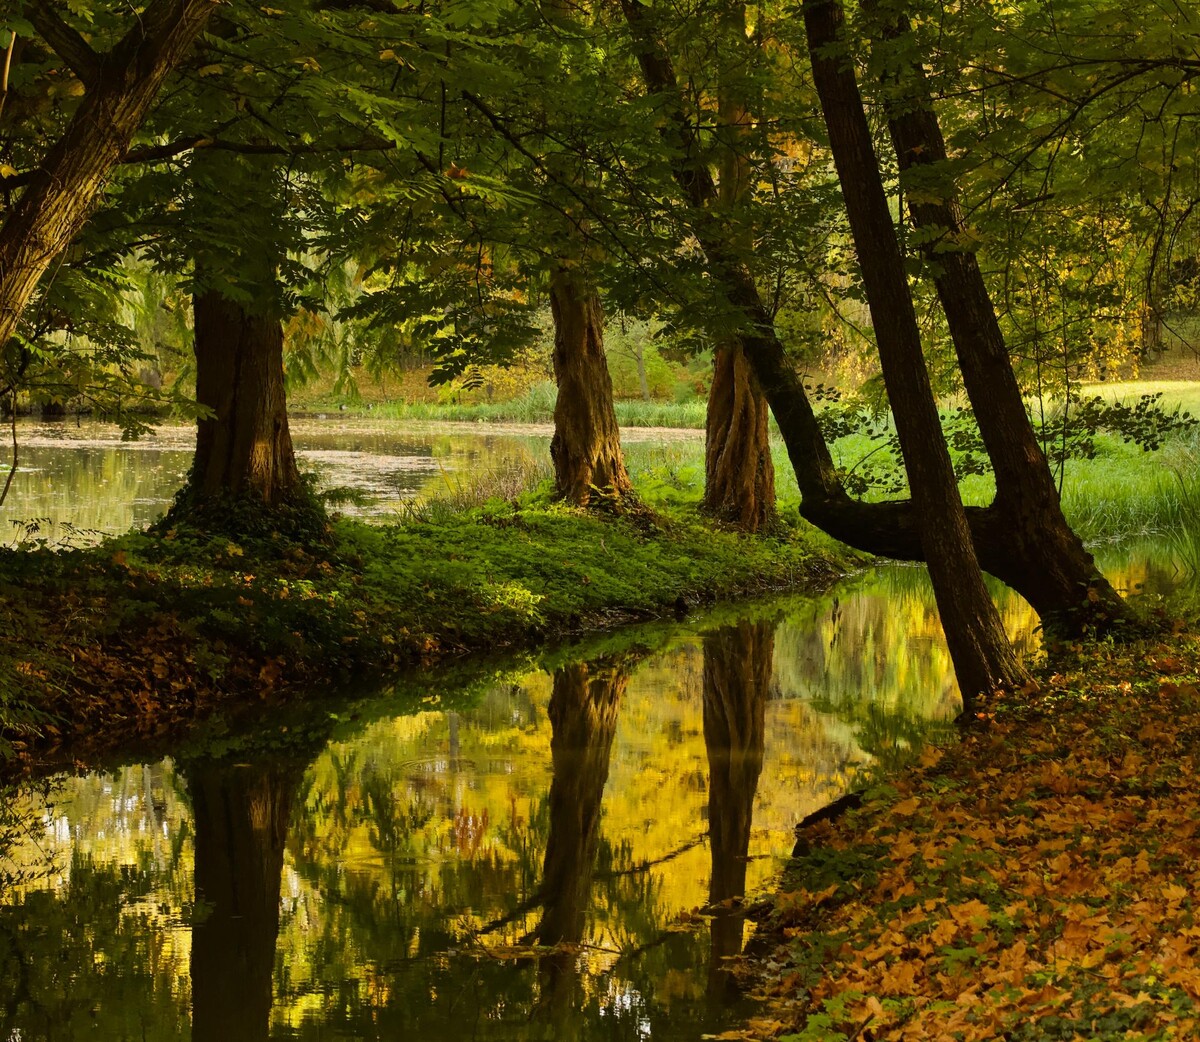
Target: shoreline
(144, 637)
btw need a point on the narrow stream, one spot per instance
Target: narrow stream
(557, 853)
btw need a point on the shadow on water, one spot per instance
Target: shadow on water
(564, 853)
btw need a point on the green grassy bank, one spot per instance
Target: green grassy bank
(148, 633)
(1037, 880)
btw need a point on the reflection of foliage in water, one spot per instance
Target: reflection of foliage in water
(879, 655)
(92, 960)
(410, 885)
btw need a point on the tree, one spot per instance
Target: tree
(739, 475)
(1026, 495)
(120, 86)
(887, 528)
(586, 447)
(243, 445)
(983, 657)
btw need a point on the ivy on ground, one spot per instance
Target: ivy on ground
(1038, 880)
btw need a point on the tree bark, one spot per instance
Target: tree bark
(737, 681)
(586, 447)
(241, 814)
(983, 657)
(1026, 494)
(56, 202)
(739, 476)
(245, 447)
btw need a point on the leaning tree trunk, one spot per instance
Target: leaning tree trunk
(737, 681)
(982, 655)
(583, 712)
(244, 447)
(241, 814)
(739, 476)
(890, 528)
(586, 448)
(1026, 495)
(120, 88)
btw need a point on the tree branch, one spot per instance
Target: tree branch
(66, 42)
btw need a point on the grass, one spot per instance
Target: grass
(535, 406)
(149, 633)
(1183, 393)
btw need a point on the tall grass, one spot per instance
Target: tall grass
(537, 406)
(1184, 462)
(458, 493)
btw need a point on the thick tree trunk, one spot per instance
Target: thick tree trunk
(241, 814)
(584, 706)
(586, 447)
(739, 485)
(737, 681)
(888, 529)
(245, 447)
(982, 655)
(1025, 491)
(121, 87)
(739, 476)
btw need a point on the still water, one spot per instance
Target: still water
(557, 852)
(79, 480)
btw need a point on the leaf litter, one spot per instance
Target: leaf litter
(1036, 880)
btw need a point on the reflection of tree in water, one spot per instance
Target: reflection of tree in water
(241, 813)
(584, 707)
(737, 680)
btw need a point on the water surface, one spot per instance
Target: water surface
(559, 853)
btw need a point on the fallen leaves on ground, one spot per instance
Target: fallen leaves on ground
(1038, 880)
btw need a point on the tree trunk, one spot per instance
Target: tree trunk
(983, 657)
(241, 814)
(888, 529)
(56, 202)
(1025, 491)
(586, 447)
(245, 447)
(737, 680)
(639, 356)
(584, 705)
(739, 476)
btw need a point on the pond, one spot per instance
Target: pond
(79, 479)
(562, 850)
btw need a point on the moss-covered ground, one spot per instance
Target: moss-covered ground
(1037, 880)
(147, 634)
